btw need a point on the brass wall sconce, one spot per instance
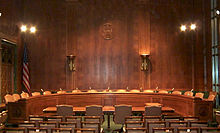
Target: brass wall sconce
(70, 61)
(145, 60)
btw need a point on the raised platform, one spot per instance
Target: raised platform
(183, 105)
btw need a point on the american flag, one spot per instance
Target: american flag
(25, 70)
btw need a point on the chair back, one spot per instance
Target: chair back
(155, 124)
(46, 93)
(35, 94)
(121, 111)
(199, 94)
(211, 97)
(24, 95)
(61, 130)
(210, 130)
(16, 97)
(61, 92)
(134, 91)
(121, 91)
(136, 130)
(64, 110)
(37, 130)
(76, 90)
(153, 111)
(13, 130)
(188, 130)
(177, 92)
(188, 93)
(94, 110)
(9, 98)
(148, 91)
(163, 91)
(92, 91)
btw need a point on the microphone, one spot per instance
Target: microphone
(61, 89)
(42, 90)
(192, 90)
(141, 89)
(173, 89)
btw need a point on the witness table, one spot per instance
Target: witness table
(108, 110)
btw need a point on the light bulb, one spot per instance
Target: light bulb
(23, 28)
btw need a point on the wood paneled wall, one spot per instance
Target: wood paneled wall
(10, 20)
(138, 26)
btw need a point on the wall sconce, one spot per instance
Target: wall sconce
(144, 64)
(70, 61)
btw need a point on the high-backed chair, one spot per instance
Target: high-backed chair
(61, 92)
(199, 94)
(152, 110)
(211, 97)
(92, 91)
(107, 90)
(121, 91)
(177, 92)
(134, 91)
(95, 110)
(188, 93)
(64, 110)
(16, 97)
(46, 93)
(148, 91)
(76, 90)
(9, 98)
(121, 111)
(24, 95)
(163, 91)
(35, 94)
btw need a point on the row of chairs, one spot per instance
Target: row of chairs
(16, 97)
(150, 122)
(133, 124)
(53, 123)
(129, 130)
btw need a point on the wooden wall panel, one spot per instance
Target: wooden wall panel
(138, 26)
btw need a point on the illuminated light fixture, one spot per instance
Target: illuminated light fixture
(192, 26)
(217, 12)
(183, 28)
(70, 61)
(32, 29)
(145, 60)
(23, 28)
(0, 14)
